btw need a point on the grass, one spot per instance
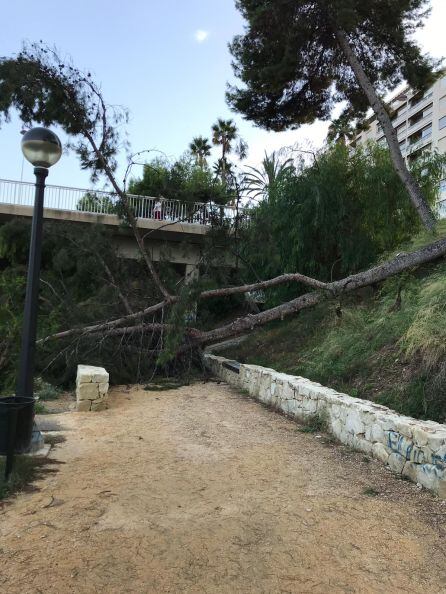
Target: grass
(40, 408)
(315, 424)
(379, 349)
(24, 472)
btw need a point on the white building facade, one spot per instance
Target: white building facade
(420, 121)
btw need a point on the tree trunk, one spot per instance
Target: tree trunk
(356, 281)
(133, 224)
(243, 325)
(378, 107)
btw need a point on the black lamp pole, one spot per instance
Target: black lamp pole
(25, 378)
(26, 366)
(35, 138)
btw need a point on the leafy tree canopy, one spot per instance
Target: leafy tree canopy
(47, 89)
(183, 180)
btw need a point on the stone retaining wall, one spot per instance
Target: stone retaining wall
(416, 449)
(91, 388)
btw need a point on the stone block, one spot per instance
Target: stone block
(91, 387)
(336, 427)
(436, 440)
(98, 406)
(405, 426)
(103, 388)
(362, 445)
(293, 408)
(380, 452)
(288, 391)
(410, 471)
(87, 392)
(83, 406)
(420, 436)
(89, 373)
(309, 407)
(430, 477)
(420, 455)
(353, 423)
(396, 462)
(438, 457)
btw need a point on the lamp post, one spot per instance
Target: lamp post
(42, 148)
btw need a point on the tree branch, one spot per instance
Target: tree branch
(373, 275)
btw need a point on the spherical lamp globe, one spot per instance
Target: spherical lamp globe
(41, 147)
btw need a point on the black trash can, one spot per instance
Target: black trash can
(24, 405)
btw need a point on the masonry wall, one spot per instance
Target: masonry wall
(415, 449)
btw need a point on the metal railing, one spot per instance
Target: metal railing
(107, 203)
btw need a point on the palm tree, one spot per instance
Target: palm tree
(261, 182)
(200, 149)
(224, 133)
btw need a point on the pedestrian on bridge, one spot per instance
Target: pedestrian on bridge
(157, 210)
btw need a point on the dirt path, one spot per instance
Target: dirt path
(202, 490)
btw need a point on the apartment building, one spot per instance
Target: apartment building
(420, 121)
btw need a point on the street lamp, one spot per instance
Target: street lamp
(42, 148)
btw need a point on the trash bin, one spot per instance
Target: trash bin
(24, 405)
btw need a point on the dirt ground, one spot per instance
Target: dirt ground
(202, 490)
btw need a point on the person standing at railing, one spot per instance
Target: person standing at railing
(157, 210)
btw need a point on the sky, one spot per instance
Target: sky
(167, 62)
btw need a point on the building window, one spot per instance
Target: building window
(426, 132)
(443, 103)
(443, 123)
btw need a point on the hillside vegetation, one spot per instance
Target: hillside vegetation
(387, 344)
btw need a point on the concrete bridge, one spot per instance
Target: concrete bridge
(175, 230)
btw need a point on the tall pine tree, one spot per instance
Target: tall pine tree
(299, 58)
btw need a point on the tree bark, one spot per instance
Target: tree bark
(356, 281)
(413, 189)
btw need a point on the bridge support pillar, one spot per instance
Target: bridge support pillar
(192, 273)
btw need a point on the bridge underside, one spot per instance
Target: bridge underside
(178, 243)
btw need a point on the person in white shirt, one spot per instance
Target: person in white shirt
(157, 210)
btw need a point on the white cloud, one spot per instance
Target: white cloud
(201, 35)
